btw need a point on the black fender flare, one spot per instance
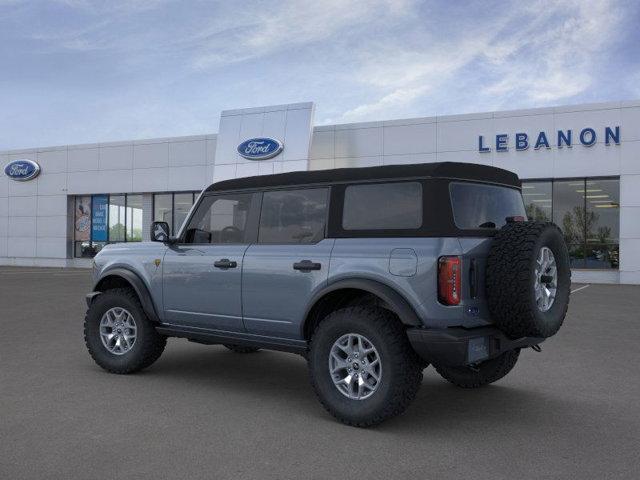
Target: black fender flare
(138, 285)
(397, 303)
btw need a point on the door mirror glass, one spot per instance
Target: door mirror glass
(159, 232)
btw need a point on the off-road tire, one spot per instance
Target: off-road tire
(241, 348)
(401, 369)
(482, 374)
(510, 278)
(148, 346)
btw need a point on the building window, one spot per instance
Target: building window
(102, 219)
(537, 200)
(182, 203)
(588, 213)
(134, 218)
(173, 208)
(117, 218)
(163, 209)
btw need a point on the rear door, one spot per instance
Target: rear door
(288, 264)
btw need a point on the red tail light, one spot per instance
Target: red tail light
(449, 273)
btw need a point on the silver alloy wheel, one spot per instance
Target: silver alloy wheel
(355, 366)
(118, 330)
(546, 279)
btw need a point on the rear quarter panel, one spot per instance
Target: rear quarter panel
(369, 258)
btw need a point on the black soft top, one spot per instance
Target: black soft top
(451, 170)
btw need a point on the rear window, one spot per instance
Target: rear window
(383, 206)
(484, 206)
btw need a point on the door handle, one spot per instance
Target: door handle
(225, 263)
(306, 265)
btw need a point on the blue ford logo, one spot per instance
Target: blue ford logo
(22, 170)
(260, 148)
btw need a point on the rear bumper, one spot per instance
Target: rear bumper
(460, 346)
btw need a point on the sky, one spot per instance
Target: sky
(80, 71)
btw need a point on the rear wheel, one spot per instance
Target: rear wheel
(240, 348)
(362, 366)
(119, 336)
(482, 374)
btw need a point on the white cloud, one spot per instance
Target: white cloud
(555, 63)
(254, 33)
(544, 52)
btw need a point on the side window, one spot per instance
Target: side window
(219, 219)
(293, 216)
(383, 206)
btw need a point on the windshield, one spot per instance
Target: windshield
(477, 205)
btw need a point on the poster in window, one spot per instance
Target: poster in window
(83, 219)
(99, 208)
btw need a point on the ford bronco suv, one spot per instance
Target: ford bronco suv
(371, 274)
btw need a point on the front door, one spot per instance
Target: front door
(202, 273)
(289, 262)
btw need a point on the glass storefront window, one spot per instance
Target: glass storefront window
(134, 218)
(538, 200)
(569, 215)
(603, 223)
(117, 218)
(173, 208)
(163, 208)
(587, 211)
(182, 204)
(103, 219)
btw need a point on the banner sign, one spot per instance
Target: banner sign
(99, 218)
(82, 219)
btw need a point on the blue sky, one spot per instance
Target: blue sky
(79, 71)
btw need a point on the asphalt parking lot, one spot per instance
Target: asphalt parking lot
(572, 411)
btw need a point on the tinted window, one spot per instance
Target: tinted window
(484, 206)
(383, 206)
(219, 219)
(293, 216)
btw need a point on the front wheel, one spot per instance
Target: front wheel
(362, 366)
(482, 374)
(119, 336)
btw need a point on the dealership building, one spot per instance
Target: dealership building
(580, 167)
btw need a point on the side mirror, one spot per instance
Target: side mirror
(159, 232)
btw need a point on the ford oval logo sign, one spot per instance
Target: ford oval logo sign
(260, 148)
(22, 170)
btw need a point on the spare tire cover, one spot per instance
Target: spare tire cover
(528, 279)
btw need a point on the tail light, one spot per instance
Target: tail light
(449, 274)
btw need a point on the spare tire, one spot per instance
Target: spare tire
(528, 279)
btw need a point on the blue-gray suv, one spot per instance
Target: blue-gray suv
(371, 274)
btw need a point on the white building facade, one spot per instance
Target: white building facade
(580, 167)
